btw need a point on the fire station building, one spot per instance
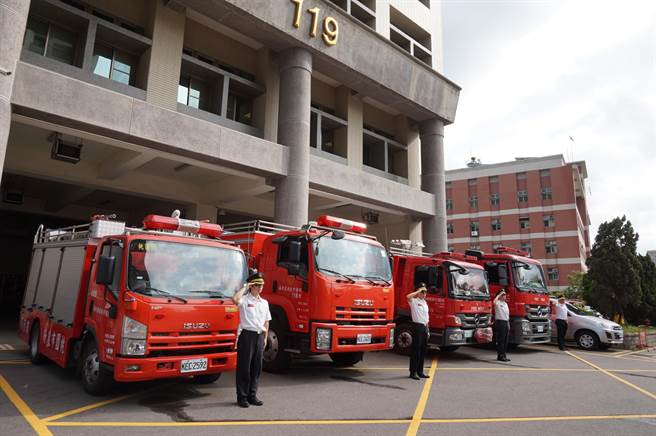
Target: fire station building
(229, 110)
(537, 205)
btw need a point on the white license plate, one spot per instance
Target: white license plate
(193, 365)
(469, 333)
(363, 338)
(540, 328)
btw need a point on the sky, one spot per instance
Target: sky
(534, 73)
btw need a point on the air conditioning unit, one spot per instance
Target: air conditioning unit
(65, 151)
(474, 233)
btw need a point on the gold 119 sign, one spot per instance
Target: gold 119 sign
(330, 27)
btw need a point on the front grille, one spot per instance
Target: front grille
(535, 328)
(537, 313)
(188, 352)
(474, 320)
(360, 315)
(188, 343)
(353, 341)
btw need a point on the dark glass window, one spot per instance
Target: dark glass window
(50, 41)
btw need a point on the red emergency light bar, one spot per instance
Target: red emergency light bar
(340, 223)
(159, 222)
(510, 250)
(453, 255)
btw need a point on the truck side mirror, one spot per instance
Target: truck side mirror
(294, 252)
(105, 271)
(502, 274)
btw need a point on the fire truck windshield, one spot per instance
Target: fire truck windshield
(352, 258)
(529, 277)
(189, 270)
(469, 286)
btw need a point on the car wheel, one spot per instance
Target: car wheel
(587, 340)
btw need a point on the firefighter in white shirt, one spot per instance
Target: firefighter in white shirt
(419, 312)
(254, 317)
(561, 321)
(501, 325)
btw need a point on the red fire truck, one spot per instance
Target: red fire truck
(329, 287)
(130, 304)
(527, 296)
(458, 299)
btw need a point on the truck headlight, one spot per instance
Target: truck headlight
(323, 338)
(133, 340)
(458, 336)
(526, 327)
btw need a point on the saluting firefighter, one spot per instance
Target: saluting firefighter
(419, 313)
(254, 317)
(561, 321)
(501, 325)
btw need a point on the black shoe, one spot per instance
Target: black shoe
(414, 376)
(505, 359)
(255, 401)
(422, 375)
(242, 402)
(500, 359)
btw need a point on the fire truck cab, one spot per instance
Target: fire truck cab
(329, 288)
(126, 304)
(458, 299)
(527, 296)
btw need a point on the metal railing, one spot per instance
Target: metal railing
(70, 233)
(397, 251)
(257, 226)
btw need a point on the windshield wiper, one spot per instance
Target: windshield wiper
(379, 278)
(338, 273)
(214, 293)
(168, 294)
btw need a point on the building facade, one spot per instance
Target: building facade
(538, 205)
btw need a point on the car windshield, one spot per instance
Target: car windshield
(471, 285)
(529, 277)
(352, 258)
(579, 310)
(189, 270)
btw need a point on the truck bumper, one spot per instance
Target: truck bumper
(150, 368)
(451, 336)
(523, 331)
(349, 338)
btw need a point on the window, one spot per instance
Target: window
(451, 249)
(50, 41)
(496, 225)
(545, 173)
(526, 246)
(193, 93)
(449, 204)
(449, 227)
(473, 227)
(549, 221)
(522, 196)
(552, 273)
(496, 246)
(429, 274)
(114, 64)
(240, 108)
(521, 176)
(113, 249)
(471, 182)
(494, 199)
(550, 247)
(524, 223)
(493, 179)
(473, 202)
(546, 193)
(474, 247)
(284, 254)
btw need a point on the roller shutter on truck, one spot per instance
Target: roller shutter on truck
(33, 279)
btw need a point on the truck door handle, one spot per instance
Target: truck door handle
(275, 286)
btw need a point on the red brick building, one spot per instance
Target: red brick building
(534, 204)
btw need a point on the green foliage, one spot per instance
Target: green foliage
(575, 288)
(620, 282)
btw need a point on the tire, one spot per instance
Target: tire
(206, 379)
(449, 349)
(275, 358)
(403, 339)
(96, 380)
(35, 338)
(587, 340)
(346, 359)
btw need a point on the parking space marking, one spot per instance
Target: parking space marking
(537, 418)
(423, 399)
(31, 418)
(644, 350)
(15, 362)
(88, 407)
(226, 423)
(608, 373)
(637, 359)
(6, 347)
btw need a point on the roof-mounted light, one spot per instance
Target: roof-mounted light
(342, 224)
(509, 250)
(159, 222)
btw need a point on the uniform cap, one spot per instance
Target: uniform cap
(256, 279)
(421, 287)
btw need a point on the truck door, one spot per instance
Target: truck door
(433, 277)
(290, 281)
(103, 299)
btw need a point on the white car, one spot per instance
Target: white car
(590, 332)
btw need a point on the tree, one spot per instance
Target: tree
(575, 288)
(613, 283)
(646, 310)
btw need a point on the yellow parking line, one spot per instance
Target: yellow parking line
(537, 418)
(637, 359)
(227, 423)
(423, 399)
(38, 425)
(644, 350)
(15, 362)
(88, 407)
(620, 379)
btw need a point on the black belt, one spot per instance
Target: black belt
(251, 332)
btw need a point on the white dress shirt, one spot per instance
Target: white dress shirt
(419, 310)
(253, 313)
(561, 311)
(501, 312)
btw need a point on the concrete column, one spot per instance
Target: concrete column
(265, 112)
(292, 192)
(431, 134)
(406, 133)
(202, 212)
(383, 18)
(414, 233)
(349, 107)
(13, 16)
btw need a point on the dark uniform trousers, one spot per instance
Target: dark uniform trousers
(501, 328)
(561, 325)
(250, 347)
(419, 344)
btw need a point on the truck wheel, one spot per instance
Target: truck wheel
(206, 379)
(96, 380)
(450, 349)
(274, 356)
(587, 340)
(35, 338)
(403, 339)
(346, 359)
